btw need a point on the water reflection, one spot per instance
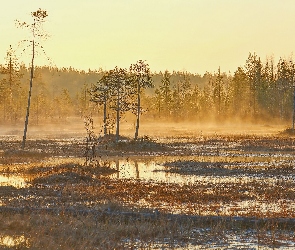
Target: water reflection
(152, 170)
(13, 180)
(13, 241)
(148, 171)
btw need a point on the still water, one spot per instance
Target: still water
(156, 171)
(12, 241)
(13, 180)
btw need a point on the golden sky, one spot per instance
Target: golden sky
(192, 35)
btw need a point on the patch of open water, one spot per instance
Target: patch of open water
(146, 171)
(13, 241)
(245, 239)
(156, 171)
(13, 180)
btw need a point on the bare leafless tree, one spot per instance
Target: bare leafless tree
(36, 29)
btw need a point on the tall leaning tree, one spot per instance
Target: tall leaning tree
(36, 29)
(140, 72)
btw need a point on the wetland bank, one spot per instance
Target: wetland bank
(167, 158)
(192, 189)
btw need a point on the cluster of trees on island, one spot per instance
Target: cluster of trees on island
(256, 91)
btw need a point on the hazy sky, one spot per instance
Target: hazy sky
(192, 35)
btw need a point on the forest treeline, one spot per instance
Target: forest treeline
(256, 91)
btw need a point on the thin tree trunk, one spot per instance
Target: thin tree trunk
(136, 169)
(37, 108)
(105, 118)
(118, 117)
(159, 109)
(293, 109)
(118, 168)
(29, 98)
(4, 109)
(138, 112)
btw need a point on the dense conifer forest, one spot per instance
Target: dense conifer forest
(257, 91)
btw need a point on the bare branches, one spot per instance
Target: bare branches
(37, 31)
(36, 27)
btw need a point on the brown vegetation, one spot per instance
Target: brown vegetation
(66, 204)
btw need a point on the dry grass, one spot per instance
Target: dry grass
(256, 172)
(47, 231)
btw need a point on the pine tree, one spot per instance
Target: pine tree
(142, 79)
(10, 88)
(253, 69)
(100, 94)
(120, 87)
(37, 32)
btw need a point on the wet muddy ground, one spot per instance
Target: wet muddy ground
(212, 178)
